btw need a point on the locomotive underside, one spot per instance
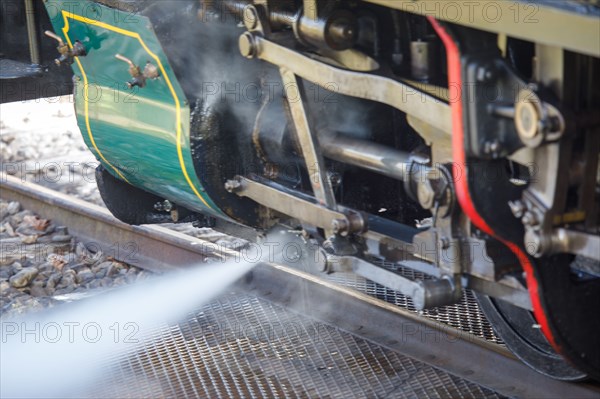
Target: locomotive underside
(462, 143)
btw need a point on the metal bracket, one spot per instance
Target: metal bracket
(424, 293)
(298, 208)
(354, 84)
(309, 144)
(561, 240)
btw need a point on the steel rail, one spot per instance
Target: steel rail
(159, 249)
(154, 248)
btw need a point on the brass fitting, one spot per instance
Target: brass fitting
(66, 54)
(139, 77)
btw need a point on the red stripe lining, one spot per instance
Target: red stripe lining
(462, 186)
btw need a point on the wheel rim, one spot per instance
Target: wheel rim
(517, 328)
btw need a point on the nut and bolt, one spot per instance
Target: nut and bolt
(150, 71)
(233, 185)
(484, 74)
(426, 194)
(535, 120)
(534, 244)
(517, 208)
(328, 247)
(335, 179)
(271, 171)
(491, 147)
(528, 120)
(550, 124)
(340, 226)
(164, 206)
(530, 219)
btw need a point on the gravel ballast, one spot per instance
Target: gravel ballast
(42, 265)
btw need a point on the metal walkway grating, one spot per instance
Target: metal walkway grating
(241, 346)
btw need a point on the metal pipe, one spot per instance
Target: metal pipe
(575, 242)
(34, 48)
(282, 17)
(371, 156)
(310, 9)
(278, 16)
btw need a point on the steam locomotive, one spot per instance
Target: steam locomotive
(459, 139)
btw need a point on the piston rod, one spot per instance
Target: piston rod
(371, 156)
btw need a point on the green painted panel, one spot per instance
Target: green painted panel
(140, 135)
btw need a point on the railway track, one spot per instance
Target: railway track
(322, 338)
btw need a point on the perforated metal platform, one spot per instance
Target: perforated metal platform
(241, 346)
(280, 332)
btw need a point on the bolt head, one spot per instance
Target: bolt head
(335, 179)
(533, 243)
(530, 219)
(250, 17)
(491, 147)
(445, 241)
(517, 208)
(335, 226)
(340, 226)
(247, 45)
(232, 185)
(425, 194)
(484, 74)
(527, 120)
